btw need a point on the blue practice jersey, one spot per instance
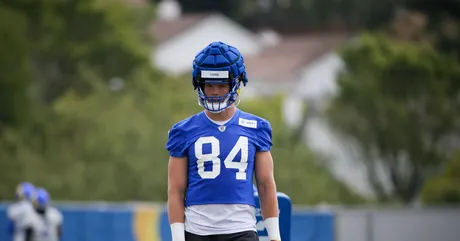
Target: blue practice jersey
(220, 158)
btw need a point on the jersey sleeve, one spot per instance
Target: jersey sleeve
(176, 143)
(10, 212)
(264, 136)
(59, 217)
(14, 211)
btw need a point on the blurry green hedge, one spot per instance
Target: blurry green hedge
(398, 102)
(109, 145)
(444, 188)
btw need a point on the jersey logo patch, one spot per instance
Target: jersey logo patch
(221, 128)
(247, 123)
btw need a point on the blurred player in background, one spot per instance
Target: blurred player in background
(214, 155)
(17, 211)
(44, 221)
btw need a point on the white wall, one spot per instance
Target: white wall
(176, 55)
(398, 225)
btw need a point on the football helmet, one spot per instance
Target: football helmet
(218, 63)
(42, 198)
(25, 191)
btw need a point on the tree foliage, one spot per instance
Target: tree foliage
(110, 145)
(106, 145)
(61, 36)
(14, 66)
(398, 102)
(44, 54)
(443, 188)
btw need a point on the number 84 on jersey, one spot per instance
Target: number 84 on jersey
(209, 163)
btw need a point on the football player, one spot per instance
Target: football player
(16, 212)
(215, 154)
(44, 222)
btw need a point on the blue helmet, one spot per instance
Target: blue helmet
(218, 63)
(42, 198)
(25, 191)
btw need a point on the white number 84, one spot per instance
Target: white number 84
(213, 157)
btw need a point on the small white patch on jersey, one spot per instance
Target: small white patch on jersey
(221, 128)
(247, 123)
(214, 74)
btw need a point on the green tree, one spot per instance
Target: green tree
(14, 66)
(397, 101)
(110, 145)
(234, 9)
(105, 145)
(304, 15)
(66, 45)
(63, 35)
(444, 188)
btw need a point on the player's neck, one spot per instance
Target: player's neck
(225, 115)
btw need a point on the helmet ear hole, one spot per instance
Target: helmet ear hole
(243, 78)
(196, 82)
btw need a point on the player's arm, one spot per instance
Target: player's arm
(265, 179)
(59, 232)
(60, 221)
(177, 184)
(12, 212)
(266, 188)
